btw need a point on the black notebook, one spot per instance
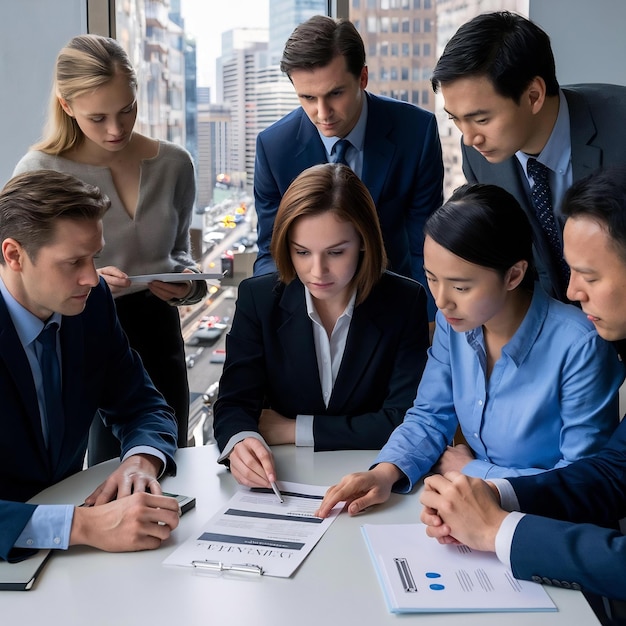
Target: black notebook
(21, 576)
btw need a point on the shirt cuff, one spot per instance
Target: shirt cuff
(152, 452)
(508, 498)
(304, 431)
(235, 439)
(504, 537)
(49, 527)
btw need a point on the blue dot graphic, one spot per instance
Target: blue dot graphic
(433, 575)
(436, 587)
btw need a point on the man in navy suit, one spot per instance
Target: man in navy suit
(393, 146)
(555, 540)
(498, 81)
(50, 233)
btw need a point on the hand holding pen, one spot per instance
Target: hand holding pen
(252, 464)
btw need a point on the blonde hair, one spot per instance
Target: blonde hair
(335, 188)
(84, 64)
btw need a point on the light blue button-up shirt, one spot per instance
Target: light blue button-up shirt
(50, 525)
(551, 398)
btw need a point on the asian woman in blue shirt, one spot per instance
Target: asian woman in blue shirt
(525, 378)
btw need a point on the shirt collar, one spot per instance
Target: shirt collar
(557, 152)
(356, 136)
(312, 312)
(27, 325)
(525, 336)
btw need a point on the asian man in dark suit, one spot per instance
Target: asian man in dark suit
(50, 233)
(565, 533)
(498, 80)
(393, 146)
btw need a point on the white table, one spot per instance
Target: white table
(336, 584)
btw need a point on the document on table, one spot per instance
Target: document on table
(174, 277)
(254, 532)
(418, 574)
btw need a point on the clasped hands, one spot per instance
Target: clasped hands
(127, 512)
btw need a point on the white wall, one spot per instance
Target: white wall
(587, 38)
(31, 34)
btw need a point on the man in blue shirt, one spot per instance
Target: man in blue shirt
(498, 81)
(392, 146)
(50, 233)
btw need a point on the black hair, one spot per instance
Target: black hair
(601, 196)
(504, 47)
(484, 225)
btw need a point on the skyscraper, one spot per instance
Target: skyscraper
(285, 15)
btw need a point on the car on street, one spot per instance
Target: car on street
(209, 330)
(218, 356)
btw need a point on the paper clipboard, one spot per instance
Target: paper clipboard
(21, 576)
(220, 566)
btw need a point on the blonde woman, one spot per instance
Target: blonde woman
(90, 134)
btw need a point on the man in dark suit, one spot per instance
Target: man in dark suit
(394, 146)
(50, 233)
(498, 81)
(555, 541)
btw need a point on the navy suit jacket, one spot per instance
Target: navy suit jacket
(271, 362)
(598, 137)
(402, 168)
(99, 372)
(567, 539)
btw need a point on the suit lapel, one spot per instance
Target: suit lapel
(73, 364)
(585, 157)
(309, 149)
(363, 339)
(296, 337)
(378, 149)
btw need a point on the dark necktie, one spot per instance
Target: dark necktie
(51, 375)
(339, 151)
(542, 199)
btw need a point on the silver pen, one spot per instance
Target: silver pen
(276, 491)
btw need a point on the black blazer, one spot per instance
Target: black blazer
(271, 362)
(598, 137)
(99, 371)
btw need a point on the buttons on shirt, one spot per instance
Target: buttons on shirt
(57, 541)
(480, 403)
